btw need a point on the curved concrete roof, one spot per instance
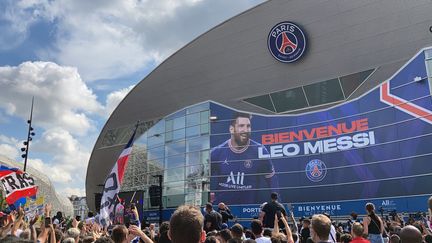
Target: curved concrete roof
(231, 61)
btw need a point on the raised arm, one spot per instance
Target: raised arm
(288, 230)
(295, 227)
(366, 221)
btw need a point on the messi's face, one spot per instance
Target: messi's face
(241, 130)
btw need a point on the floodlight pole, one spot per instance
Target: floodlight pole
(30, 129)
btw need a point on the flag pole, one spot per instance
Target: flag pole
(114, 180)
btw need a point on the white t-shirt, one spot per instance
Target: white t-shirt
(332, 233)
(263, 239)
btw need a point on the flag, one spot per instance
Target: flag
(17, 186)
(113, 183)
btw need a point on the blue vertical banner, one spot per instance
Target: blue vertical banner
(376, 146)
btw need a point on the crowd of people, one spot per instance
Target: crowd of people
(189, 225)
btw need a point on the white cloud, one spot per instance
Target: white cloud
(9, 147)
(62, 99)
(69, 191)
(69, 157)
(108, 39)
(114, 98)
(9, 151)
(98, 39)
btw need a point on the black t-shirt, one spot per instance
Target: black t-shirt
(305, 234)
(215, 219)
(270, 210)
(226, 215)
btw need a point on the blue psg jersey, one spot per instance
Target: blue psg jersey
(238, 172)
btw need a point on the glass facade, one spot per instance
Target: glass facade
(428, 60)
(176, 147)
(313, 95)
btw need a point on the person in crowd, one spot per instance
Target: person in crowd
(237, 232)
(224, 235)
(394, 239)
(333, 236)
(119, 211)
(357, 233)
(320, 228)
(257, 230)
(119, 234)
(267, 215)
(211, 239)
(225, 212)
(277, 235)
(187, 225)
(305, 231)
(248, 234)
(410, 234)
(162, 235)
(212, 219)
(345, 238)
(430, 207)
(373, 225)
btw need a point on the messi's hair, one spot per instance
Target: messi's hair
(240, 114)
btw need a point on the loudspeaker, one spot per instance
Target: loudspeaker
(155, 192)
(98, 199)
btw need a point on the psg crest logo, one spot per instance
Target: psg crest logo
(248, 164)
(316, 170)
(286, 42)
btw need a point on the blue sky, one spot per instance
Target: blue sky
(79, 59)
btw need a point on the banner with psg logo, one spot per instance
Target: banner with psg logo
(376, 146)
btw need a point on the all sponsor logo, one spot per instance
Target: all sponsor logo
(286, 42)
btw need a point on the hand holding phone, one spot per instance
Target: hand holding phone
(47, 221)
(279, 214)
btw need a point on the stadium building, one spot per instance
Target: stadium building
(338, 112)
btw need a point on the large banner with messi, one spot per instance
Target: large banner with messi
(377, 146)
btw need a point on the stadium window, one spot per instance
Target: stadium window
(351, 82)
(156, 153)
(175, 148)
(288, 100)
(204, 129)
(193, 119)
(198, 144)
(175, 200)
(169, 125)
(263, 101)
(192, 131)
(179, 122)
(324, 92)
(179, 134)
(204, 117)
(175, 175)
(198, 108)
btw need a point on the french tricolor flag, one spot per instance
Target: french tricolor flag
(113, 183)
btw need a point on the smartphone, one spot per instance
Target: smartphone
(47, 221)
(279, 214)
(134, 222)
(78, 218)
